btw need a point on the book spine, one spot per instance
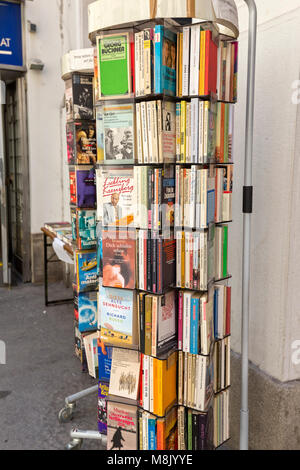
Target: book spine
(225, 251)
(180, 320)
(159, 132)
(148, 325)
(186, 61)
(178, 132)
(137, 59)
(195, 431)
(139, 133)
(145, 132)
(159, 33)
(194, 326)
(160, 437)
(152, 434)
(154, 325)
(183, 132)
(146, 394)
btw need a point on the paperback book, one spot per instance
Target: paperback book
(81, 143)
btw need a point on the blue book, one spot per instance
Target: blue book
(216, 295)
(87, 311)
(86, 267)
(151, 434)
(210, 206)
(165, 61)
(194, 336)
(104, 360)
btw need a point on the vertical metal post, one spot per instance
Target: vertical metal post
(46, 269)
(247, 210)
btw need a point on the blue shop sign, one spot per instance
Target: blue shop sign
(11, 48)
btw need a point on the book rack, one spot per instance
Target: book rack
(103, 25)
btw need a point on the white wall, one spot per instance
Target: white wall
(55, 36)
(275, 272)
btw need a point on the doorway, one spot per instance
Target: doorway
(17, 181)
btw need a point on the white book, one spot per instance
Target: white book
(219, 72)
(177, 197)
(185, 391)
(187, 260)
(186, 61)
(154, 132)
(137, 59)
(149, 131)
(151, 382)
(192, 204)
(188, 133)
(186, 321)
(159, 132)
(198, 199)
(205, 131)
(223, 359)
(141, 260)
(201, 389)
(141, 64)
(194, 129)
(147, 384)
(195, 60)
(204, 176)
(139, 133)
(178, 258)
(145, 431)
(201, 130)
(228, 72)
(145, 132)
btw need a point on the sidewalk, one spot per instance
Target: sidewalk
(41, 371)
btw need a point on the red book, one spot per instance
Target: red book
(141, 380)
(160, 444)
(211, 53)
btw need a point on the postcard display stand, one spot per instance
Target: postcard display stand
(164, 187)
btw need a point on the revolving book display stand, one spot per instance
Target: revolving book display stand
(164, 110)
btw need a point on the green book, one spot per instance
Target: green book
(114, 65)
(225, 251)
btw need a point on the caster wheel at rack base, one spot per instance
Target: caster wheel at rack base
(65, 415)
(74, 445)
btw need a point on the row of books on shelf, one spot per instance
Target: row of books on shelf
(151, 385)
(153, 132)
(201, 257)
(204, 131)
(162, 60)
(203, 196)
(181, 429)
(151, 198)
(204, 431)
(155, 324)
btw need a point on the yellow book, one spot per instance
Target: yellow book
(166, 384)
(183, 132)
(202, 63)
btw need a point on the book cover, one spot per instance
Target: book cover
(125, 374)
(79, 97)
(118, 316)
(119, 250)
(166, 322)
(100, 134)
(86, 229)
(116, 196)
(87, 311)
(86, 270)
(85, 187)
(165, 60)
(114, 65)
(81, 143)
(104, 361)
(122, 427)
(102, 406)
(72, 181)
(119, 134)
(168, 198)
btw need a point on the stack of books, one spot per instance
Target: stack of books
(81, 158)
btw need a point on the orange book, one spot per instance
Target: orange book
(160, 435)
(202, 62)
(166, 384)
